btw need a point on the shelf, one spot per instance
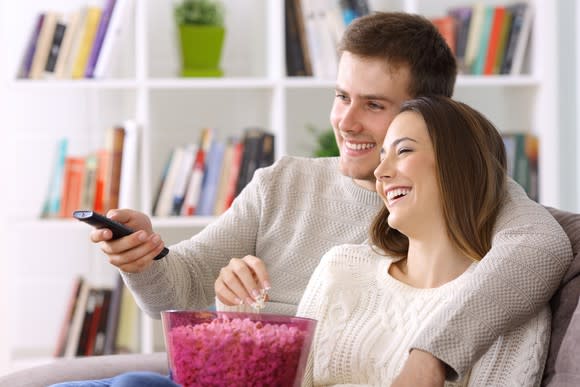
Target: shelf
(121, 84)
(210, 83)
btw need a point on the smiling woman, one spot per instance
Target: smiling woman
(442, 178)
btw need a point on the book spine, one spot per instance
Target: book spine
(111, 40)
(31, 48)
(43, 45)
(59, 32)
(99, 37)
(86, 43)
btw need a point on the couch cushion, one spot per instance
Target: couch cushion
(563, 305)
(83, 368)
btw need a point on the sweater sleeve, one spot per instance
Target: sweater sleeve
(185, 278)
(518, 358)
(530, 254)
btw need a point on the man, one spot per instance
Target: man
(293, 212)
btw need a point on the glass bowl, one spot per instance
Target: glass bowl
(236, 349)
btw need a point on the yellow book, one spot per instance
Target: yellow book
(88, 37)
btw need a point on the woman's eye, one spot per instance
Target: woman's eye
(403, 150)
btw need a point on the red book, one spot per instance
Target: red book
(74, 169)
(234, 174)
(494, 39)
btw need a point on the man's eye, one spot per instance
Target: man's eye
(375, 106)
(341, 96)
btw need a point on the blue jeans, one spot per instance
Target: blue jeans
(129, 379)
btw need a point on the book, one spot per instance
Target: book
(43, 45)
(522, 40)
(103, 159)
(462, 16)
(165, 201)
(52, 203)
(236, 166)
(115, 140)
(73, 22)
(161, 184)
(89, 182)
(99, 37)
(26, 63)
(127, 339)
(293, 49)
(53, 53)
(77, 32)
(226, 169)
(254, 139)
(479, 63)
(519, 11)
(303, 40)
(497, 25)
(65, 326)
(474, 35)
(130, 165)
(209, 189)
(112, 323)
(110, 49)
(504, 35)
(77, 321)
(99, 340)
(90, 27)
(74, 169)
(197, 175)
(183, 177)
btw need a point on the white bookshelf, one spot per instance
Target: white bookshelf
(46, 255)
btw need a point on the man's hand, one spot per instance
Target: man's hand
(133, 253)
(421, 370)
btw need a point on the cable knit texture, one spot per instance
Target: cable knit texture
(367, 321)
(293, 212)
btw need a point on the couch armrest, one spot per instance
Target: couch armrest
(85, 368)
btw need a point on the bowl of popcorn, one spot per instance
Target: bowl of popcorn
(236, 349)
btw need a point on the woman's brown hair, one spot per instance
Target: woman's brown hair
(471, 172)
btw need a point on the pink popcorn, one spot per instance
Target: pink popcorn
(233, 349)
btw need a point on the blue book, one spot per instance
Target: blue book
(484, 41)
(211, 180)
(51, 206)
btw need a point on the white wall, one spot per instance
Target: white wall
(568, 83)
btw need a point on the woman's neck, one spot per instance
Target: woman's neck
(430, 264)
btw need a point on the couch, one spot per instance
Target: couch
(562, 366)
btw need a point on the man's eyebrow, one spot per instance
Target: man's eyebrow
(364, 96)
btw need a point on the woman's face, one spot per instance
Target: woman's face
(407, 176)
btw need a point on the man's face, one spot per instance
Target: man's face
(368, 95)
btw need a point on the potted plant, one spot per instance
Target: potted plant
(201, 36)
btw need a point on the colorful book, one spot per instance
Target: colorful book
(110, 48)
(89, 32)
(73, 22)
(54, 51)
(43, 45)
(99, 37)
(497, 25)
(209, 188)
(26, 64)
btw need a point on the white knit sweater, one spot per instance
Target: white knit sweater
(293, 212)
(367, 322)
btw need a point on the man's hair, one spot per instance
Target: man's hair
(470, 162)
(404, 39)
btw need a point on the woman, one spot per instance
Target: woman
(442, 178)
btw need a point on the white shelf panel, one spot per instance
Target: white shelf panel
(122, 84)
(210, 83)
(497, 80)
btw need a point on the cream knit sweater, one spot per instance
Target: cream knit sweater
(293, 212)
(368, 321)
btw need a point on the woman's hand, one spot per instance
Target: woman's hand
(243, 280)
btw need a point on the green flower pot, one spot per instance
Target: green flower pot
(201, 48)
